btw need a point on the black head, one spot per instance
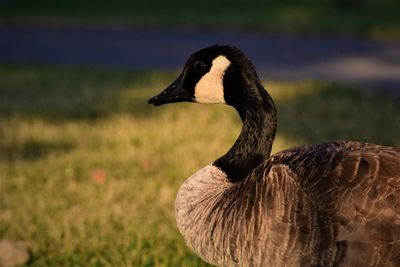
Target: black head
(217, 74)
(223, 74)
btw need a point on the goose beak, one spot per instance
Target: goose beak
(174, 93)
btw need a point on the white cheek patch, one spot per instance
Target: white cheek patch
(210, 88)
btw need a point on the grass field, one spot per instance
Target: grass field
(370, 18)
(89, 170)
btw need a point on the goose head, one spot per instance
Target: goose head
(223, 74)
(217, 74)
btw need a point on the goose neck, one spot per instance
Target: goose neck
(253, 146)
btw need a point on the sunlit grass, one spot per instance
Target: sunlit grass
(89, 170)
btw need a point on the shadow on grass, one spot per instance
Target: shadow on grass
(326, 112)
(33, 150)
(308, 112)
(64, 94)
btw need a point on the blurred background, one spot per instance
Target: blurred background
(89, 171)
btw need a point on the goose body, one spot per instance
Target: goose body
(330, 204)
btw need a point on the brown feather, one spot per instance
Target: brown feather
(333, 204)
(358, 199)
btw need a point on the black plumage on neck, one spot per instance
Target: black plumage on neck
(244, 91)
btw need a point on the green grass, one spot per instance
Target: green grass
(89, 170)
(371, 18)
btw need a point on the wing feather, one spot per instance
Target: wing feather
(357, 190)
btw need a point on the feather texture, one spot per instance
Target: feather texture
(333, 204)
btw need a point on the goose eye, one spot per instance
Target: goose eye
(199, 66)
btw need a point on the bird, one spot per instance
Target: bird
(329, 204)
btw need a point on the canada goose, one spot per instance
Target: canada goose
(330, 204)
